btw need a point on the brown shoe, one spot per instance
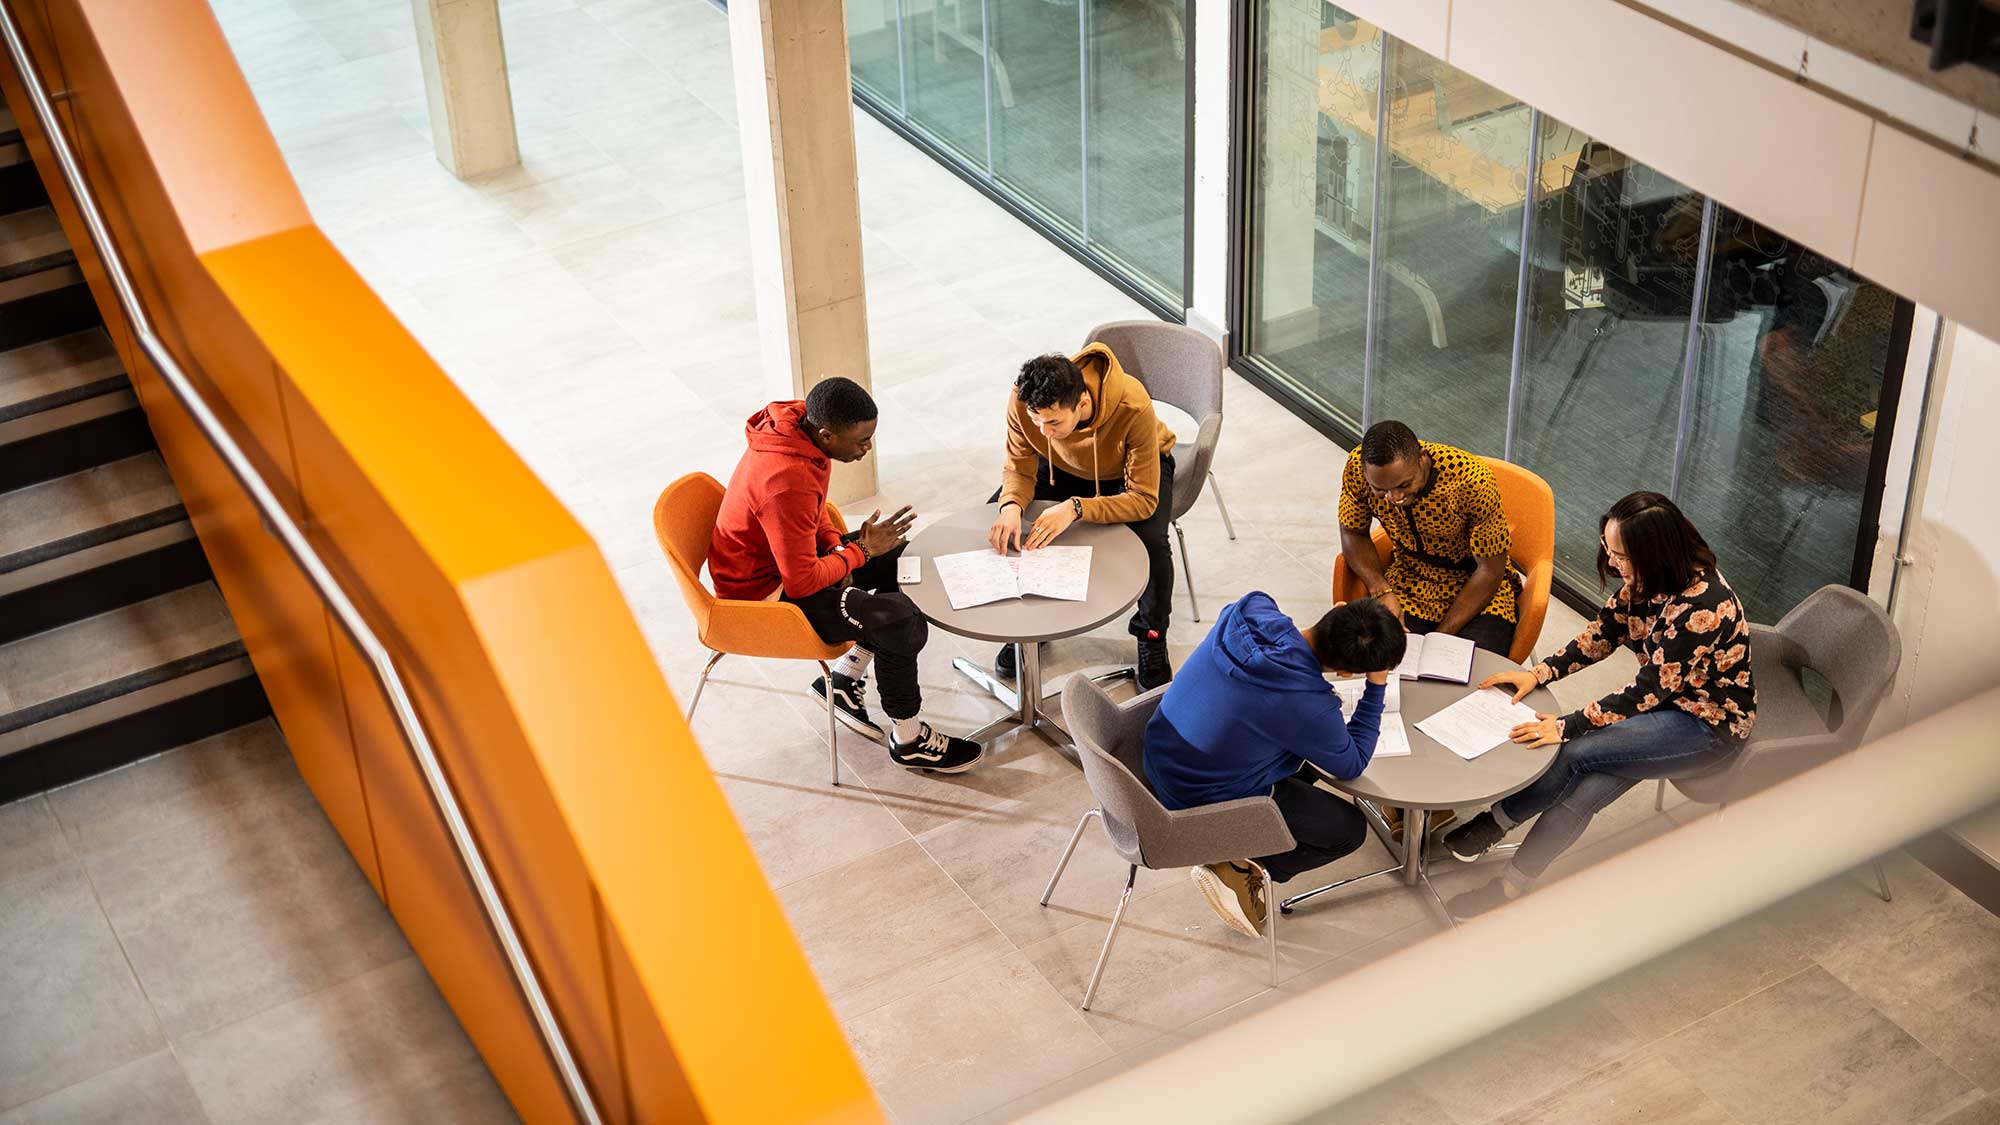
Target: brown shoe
(1235, 892)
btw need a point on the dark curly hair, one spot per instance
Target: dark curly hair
(1386, 443)
(1358, 636)
(1049, 380)
(838, 402)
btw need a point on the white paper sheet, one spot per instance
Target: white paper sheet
(977, 577)
(1437, 656)
(1395, 739)
(1477, 723)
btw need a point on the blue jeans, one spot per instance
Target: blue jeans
(1597, 768)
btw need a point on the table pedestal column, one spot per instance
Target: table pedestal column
(1024, 702)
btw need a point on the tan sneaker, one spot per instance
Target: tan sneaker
(1234, 893)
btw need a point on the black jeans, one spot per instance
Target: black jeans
(1485, 631)
(1325, 826)
(874, 613)
(1156, 604)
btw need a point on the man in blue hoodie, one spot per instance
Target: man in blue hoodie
(1251, 714)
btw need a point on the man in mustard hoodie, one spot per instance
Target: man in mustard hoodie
(1083, 431)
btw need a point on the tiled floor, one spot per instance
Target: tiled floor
(187, 940)
(595, 303)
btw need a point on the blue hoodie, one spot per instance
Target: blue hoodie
(1248, 708)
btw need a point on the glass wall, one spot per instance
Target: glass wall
(1422, 246)
(1075, 109)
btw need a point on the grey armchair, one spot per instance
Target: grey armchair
(1844, 638)
(1110, 740)
(1182, 368)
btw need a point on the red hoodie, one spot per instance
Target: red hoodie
(772, 528)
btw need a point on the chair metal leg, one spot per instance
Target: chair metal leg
(832, 727)
(1187, 571)
(1882, 881)
(1215, 490)
(1660, 797)
(1271, 913)
(1104, 954)
(1068, 849)
(701, 684)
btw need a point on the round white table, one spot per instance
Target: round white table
(1117, 577)
(1432, 777)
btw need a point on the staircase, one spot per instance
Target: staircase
(114, 641)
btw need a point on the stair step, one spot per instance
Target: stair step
(28, 237)
(70, 438)
(82, 510)
(59, 371)
(61, 663)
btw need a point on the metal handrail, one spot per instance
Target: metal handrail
(329, 589)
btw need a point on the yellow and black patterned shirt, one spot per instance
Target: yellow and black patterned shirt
(1455, 521)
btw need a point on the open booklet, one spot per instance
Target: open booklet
(1437, 656)
(1394, 741)
(1478, 723)
(977, 577)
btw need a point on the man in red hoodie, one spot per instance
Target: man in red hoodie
(773, 539)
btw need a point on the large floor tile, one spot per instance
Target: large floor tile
(1702, 977)
(149, 1091)
(797, 823)
(30, 838)
(968, 1044)
(258, 906)
(1809, 1050)
(1527, 1059)
(1395, 1102)
(1644, 1089)
(381, 1046)
(886, 925)
(185, 788)
(72, 1009)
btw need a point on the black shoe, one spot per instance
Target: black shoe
(849, 704)
(936, 752)
(1003, 663)
(1154, 667)
(1474, 838)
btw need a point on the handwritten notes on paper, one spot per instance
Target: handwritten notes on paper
(1394, 741)
(1477, 723)
(977, 577)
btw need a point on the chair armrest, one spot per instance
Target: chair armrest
(772, 629)
(1768, 645)
(1204, 448)
(1241, 829)
(1532, 610)
(1762, 764)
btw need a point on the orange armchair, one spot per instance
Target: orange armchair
(1531, 527)
(684, 519)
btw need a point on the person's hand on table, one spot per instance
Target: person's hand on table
(1006, 531)
(1050, 524)
(878, 536)
(1519, 681)
(1546, 730)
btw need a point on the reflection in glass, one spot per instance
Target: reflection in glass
(1794, 351)
(945, 53)
(1448, 252)
(871, 49)
(1138, 116)
(1038, 107)
(1312, 195)
(1610, 287)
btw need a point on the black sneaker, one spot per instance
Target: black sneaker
(1154, 668)
(936, 752)
(1003, 663)
(849, 704)
(1474, 838)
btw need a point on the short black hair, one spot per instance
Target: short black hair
(1358, 636)
(1386, 443)
(1049, 380)
(1663, 545)
(838, 402)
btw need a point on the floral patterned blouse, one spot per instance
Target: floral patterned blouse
(1694, 653)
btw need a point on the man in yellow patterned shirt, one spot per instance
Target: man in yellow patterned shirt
(1449, 572)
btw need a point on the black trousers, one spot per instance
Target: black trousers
(1156, 604)
(1484, 631)
(875, 614)
(1324, 824)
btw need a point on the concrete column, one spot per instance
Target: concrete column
(796, 109)
(465, 76)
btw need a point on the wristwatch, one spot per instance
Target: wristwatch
(1076, 506)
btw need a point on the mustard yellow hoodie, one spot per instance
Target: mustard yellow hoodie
(1123, 439)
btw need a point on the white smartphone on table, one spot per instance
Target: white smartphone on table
(909, 570)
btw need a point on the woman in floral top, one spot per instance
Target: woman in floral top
(1686, 712)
